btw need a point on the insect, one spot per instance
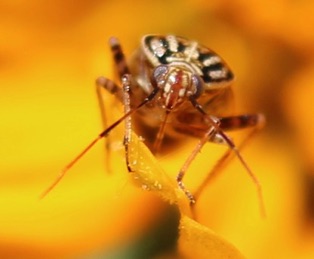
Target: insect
(173, 87)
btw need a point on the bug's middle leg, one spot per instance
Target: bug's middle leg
(108, 85)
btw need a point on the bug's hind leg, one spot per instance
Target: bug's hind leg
(118, 57)
(257, 121)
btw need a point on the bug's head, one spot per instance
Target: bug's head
(177, 84)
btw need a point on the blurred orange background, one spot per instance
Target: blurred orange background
(50, 55)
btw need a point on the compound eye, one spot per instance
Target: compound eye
(198, 84)
(159, 74)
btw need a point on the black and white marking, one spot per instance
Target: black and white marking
(174, 50)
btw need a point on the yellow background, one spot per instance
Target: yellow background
(51, 52)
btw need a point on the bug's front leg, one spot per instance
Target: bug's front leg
(254, 121)
(126, 83)
(123, 95)
(208, 135)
